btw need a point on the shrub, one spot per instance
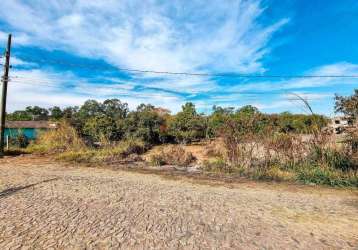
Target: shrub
(215, 149)
(188, 125)
(285, 149)
(241, 140)
(325, 176)
(157, 160)
(217, 165)
(64, 138)
(172, 155)
(144, 124)
(110, 153)
(19, 141)
(131, 146)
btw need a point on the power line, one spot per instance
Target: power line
(245, 94)
(234, 75)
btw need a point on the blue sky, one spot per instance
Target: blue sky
(66, 52)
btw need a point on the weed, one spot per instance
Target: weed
(217, 165)
(65, 138)
(172, 155)
(109, 153)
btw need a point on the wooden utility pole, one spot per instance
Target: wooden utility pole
(4, 80)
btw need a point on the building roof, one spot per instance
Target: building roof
(30, 124)
(162, 111)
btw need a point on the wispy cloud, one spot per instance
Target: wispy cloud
(47, 88)
(182, 36)
(174, 36)
(336, 69)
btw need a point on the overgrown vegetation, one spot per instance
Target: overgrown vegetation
(63, 139)
(111, 121)
(124, 150)
(284, 146)
(67, 145)
(263, 152)
(172, 155)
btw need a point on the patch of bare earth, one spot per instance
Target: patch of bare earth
(45, 204)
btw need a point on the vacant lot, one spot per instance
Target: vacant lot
(45, 204)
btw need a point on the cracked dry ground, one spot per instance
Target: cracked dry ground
(51, 205)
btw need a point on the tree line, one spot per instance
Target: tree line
(111, 120)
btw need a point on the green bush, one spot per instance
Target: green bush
(188, 125)
(313, 174)
(332, 158)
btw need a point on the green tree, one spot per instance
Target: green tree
(19, 115)
(115, 109)
(102, 127)
(89, 109)
(217, 119)
(188, 125)
(37, 113)
(56, 113)
(70, 112)
(347, 105)
(247, 110)
(144, 124)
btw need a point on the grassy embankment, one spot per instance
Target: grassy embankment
(278, 157)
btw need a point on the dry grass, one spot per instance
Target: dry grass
(63, 139)
(172, 155)
(67, 145)
(127, 149)
(287, 157)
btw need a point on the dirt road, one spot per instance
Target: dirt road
(49, 205)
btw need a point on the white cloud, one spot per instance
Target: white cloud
(30, 87)
(337, 69)
(18, 37)
(172, 36)
(195, 36)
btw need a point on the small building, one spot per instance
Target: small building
(30, 129)
(341, 123)
(162, 111)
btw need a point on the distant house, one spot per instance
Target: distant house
(30, 129)
(162, 111)
(341, 123)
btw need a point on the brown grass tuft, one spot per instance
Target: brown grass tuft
(172, 155)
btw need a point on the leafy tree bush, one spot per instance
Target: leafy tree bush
(217, 119)
(19, 115)
(111, 120)
(99, 121)
(144, 124)
(37, 113)
(347, 105)
(56, 113)
(188, 125)
(102, 128)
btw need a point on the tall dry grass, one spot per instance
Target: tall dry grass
(64, 138)
(172, 155)
(67, 145)
(128, 150)
(271, 155)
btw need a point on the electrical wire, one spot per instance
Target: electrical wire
(143, 71)
(246, 95)
(41, 80)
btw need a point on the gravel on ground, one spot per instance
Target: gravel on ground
(45, 204)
